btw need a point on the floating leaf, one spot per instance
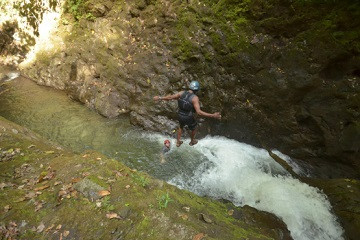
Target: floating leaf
(103, 193)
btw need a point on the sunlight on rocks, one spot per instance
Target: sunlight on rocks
(25, 23)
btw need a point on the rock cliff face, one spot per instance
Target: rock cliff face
(284, 74)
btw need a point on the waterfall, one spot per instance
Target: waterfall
(247, 175)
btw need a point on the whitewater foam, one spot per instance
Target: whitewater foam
(247, 175)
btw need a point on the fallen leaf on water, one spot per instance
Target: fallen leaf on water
(40, 228)
(66, 233)
(199, 236)
(103, 193)
(41, 188)
(112, 215)
(231, 212)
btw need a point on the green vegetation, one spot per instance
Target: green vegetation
(106, 205)
(79, 10)
(164, 200)
(143, 181)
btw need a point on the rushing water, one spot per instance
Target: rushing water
(216, 166)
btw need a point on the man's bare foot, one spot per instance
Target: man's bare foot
(193, 142)
(178, 143)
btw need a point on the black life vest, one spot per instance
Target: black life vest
(185, 105)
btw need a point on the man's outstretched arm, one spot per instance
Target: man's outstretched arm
(169, 97)
(196, 104)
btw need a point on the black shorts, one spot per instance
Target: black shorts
(189, 121)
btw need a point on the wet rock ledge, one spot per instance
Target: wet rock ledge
(47, 192)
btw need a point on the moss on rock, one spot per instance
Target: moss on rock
(46, 198)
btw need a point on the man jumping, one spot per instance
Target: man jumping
(189, 106)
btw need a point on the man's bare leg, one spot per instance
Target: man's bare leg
(178, 141)
(193, 140)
